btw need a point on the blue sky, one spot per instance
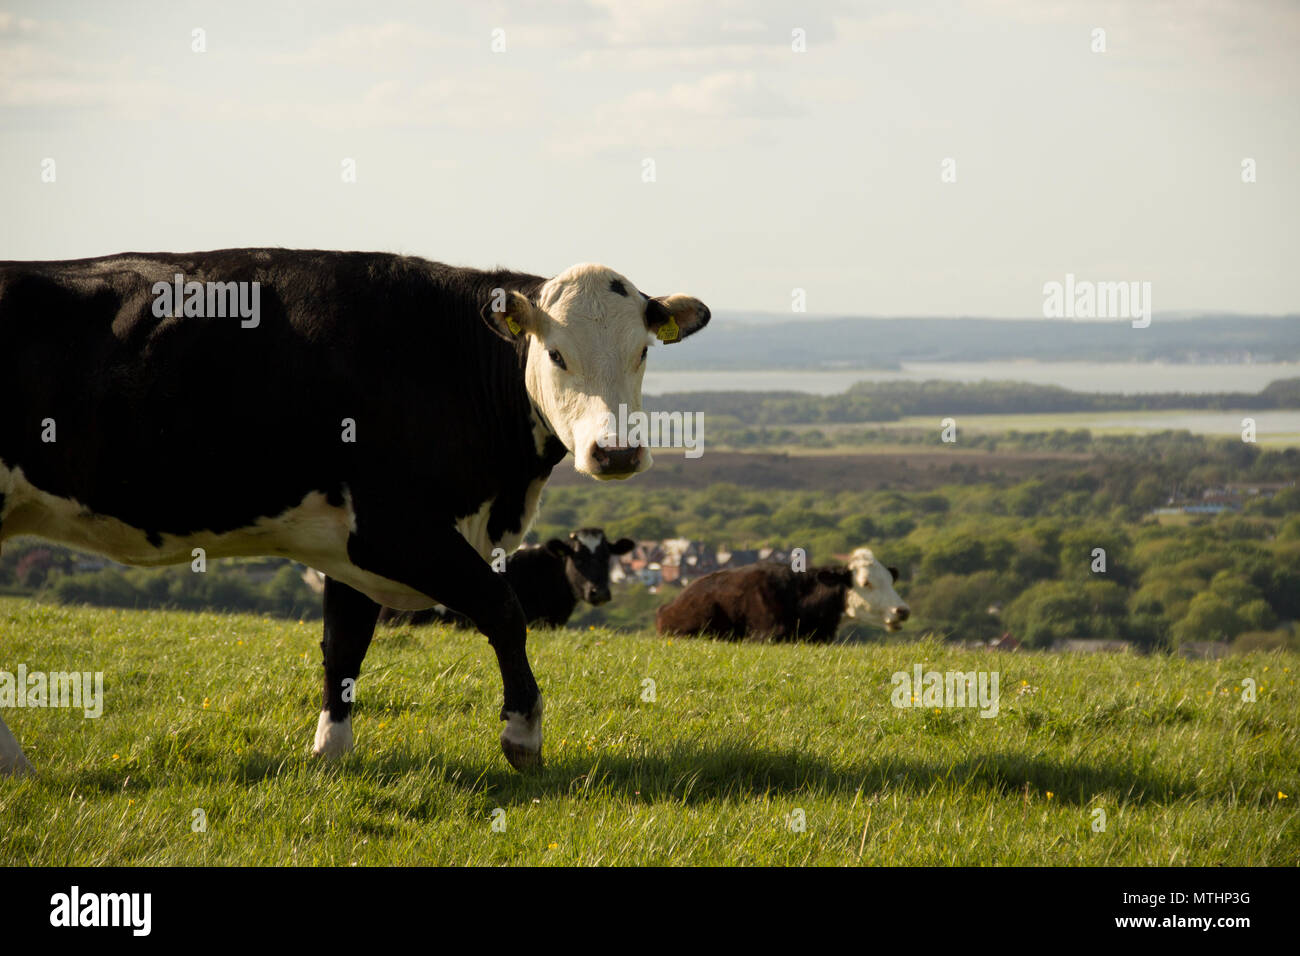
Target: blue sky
(774, 170)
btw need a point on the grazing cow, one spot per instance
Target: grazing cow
(549, 581)
(384, 418)
(772, 602)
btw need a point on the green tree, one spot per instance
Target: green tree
(1257, 615)
(1058, 610)
(958, 605)
(651, 527)
(1208, 618)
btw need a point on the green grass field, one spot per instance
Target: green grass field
(214, 713)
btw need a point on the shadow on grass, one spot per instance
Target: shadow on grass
(698, 773)
(692, 772)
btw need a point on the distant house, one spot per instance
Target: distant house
(652, 575)
(1092, 646)
(641, 564)
(1223, 499)
(1260, 489)
(698, 559)
(1204, 650)
(684, 560)
(680, 561)
(738, 558)
(1004, 643)
(638, 558)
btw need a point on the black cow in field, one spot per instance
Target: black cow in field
(773, 602)
(383, 418)
(549, 581)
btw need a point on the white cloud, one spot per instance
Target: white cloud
(12, 24)
(693, 23)
(386, 45)
(392, 104)
(42, 65)
(712, 110)
(729, 95)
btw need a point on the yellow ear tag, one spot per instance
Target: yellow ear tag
(668, 332)
(512, 325)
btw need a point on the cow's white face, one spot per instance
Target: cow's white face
(872, 593)
(589, 334)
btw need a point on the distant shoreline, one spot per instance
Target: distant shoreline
(1112, 378)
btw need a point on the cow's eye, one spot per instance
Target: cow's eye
(644, 350)
(557, 358)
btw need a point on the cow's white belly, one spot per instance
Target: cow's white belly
(313, 532)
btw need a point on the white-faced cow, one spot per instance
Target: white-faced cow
(386, 419)
(773, 602)
(549, 580)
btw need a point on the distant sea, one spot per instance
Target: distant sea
(1127, 378)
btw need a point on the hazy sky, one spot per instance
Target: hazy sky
(774, 169)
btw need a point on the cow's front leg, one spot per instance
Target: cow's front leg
(446, 568)
(349, 625)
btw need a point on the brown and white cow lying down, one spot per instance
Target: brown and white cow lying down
(772, 602)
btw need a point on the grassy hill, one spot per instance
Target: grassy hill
(214, 712)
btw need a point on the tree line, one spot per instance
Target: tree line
(891, 401)
(979, 556)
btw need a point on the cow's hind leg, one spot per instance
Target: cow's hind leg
(450, 571)
(349, 625)
(12, 761)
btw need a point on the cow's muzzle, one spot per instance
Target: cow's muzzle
(896, 616)
(616, 462)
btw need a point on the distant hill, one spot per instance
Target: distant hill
(762, 342)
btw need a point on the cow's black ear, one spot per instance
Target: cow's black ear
(622, 546)
(558, 548)
(893, 572)
(510, 315)
(674, 317)
(835, 577)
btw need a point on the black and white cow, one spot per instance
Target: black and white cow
(549, 580)
(384, 418)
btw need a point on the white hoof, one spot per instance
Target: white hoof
(521, 740)
(332, 739)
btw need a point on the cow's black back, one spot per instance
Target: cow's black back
(181, 425)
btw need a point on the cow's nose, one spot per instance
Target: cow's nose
(900, 613)
(598, 596)
(615, 462)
